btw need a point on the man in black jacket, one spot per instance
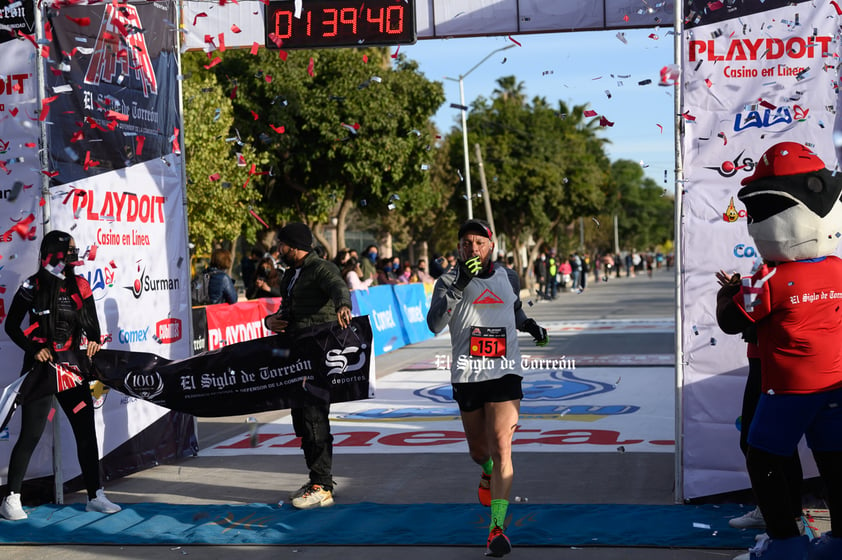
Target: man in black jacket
(313, 292)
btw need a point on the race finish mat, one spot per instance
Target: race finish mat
(677, 526)
(573, 410)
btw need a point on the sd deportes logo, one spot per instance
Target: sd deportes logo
(337, 359)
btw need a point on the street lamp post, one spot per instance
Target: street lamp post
(464, 110)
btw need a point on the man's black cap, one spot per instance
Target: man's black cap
(477, 227)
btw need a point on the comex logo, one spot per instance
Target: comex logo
(337, 359)
(744, 251)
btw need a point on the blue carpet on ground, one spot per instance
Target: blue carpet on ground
(678, 526)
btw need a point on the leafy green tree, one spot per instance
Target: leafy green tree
(339, 129)
(645, 211)
(545, 166)
(218, 199)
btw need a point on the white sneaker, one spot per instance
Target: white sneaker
(751, 520)
(101, 504)
(315, 496)
(11, 508)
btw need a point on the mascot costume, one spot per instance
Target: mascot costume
(794, 300)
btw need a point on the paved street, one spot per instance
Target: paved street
(610, 323)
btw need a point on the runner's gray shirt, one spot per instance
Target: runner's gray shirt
(483, 323)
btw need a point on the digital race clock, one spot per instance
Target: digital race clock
(340, 23)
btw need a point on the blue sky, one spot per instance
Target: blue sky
(576, 68)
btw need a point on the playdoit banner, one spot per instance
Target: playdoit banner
(110, 112)
(751, 77)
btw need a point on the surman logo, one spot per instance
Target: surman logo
(121, 43)
(338, 362)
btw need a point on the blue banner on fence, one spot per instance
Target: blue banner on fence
(381, 305)
(413, 303)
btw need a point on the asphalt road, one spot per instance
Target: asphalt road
(632, 478)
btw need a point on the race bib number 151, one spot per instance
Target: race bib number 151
(489, 342)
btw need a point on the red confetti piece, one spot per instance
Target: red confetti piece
(688, 116)
(605, 122)
(278, 129)
(221, 42)
(708, 83)
(515, 42)
(30, 38)
(214, 177)
(268, 78)
(116, 115)
(51, 414)
(113, 264)
(14, 111)
(140, 141)
(254, 48)
(197, 16)
(30, 144)
(94, 124)
(589, 113)
(661, 127)
(50, 173)
(175, 146)
(253, 213)
(282, 54)
(365, 58)
(276, 39)
(234, 28)
(92, 252)
(83, 21)
(766, 105)
(311, 65)
(397, 50)
(234, 92)
(45, 107)
(213, 63)
(76, 136)
(89, 162)
(42, 202)
(79, 407)
(255, 115)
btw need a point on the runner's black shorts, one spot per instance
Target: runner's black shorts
(472, 396)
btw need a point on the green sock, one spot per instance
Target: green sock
(498, 513)
(488, 466)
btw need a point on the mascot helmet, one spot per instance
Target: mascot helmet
(793, 204)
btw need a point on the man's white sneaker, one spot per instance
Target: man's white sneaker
(751, 520)
(11, 509)
(101, 504)
(315, 496)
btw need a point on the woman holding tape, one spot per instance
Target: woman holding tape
(61, 310)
